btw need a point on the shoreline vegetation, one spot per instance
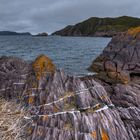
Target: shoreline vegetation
(103, 106)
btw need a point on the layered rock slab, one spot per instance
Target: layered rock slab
(63, 106)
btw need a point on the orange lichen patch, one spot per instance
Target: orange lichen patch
(55, 109)
(134, 31)
(94, 134)
(68, 126)
(45, 117)
(123, 77)
(34, 85)
(31, 100)
(30, 130)
(42, 66)
(98, 106)
(103, 96)
(104, 135)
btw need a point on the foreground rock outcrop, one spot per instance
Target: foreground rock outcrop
(63, 107)
(120, 60)
(118, 70)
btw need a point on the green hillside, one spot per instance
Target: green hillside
(100, 26)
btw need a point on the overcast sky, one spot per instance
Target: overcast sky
(51, 15)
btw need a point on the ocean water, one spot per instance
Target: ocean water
(73, 54)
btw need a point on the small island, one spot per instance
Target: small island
(42, 34)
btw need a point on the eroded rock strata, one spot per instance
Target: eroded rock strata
(120, 60)
(63, 107)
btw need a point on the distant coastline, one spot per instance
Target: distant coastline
(5, 33)
(92, 27)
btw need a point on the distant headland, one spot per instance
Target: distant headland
(100, 27)
(13, 33)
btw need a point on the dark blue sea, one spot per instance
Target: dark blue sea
(73, 54)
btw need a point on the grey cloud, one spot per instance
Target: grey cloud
(50, 15)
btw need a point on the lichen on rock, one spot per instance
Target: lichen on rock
(42, 66)
(134, 31)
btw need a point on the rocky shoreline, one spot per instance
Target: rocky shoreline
(63, 107)
(120, 60)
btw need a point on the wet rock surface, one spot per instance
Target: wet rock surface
(64, 107)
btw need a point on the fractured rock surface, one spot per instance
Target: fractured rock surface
(120, 60)
(118, 70)
(64, 107)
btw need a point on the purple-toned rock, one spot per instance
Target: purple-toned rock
(120, 60)
(63, 107)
